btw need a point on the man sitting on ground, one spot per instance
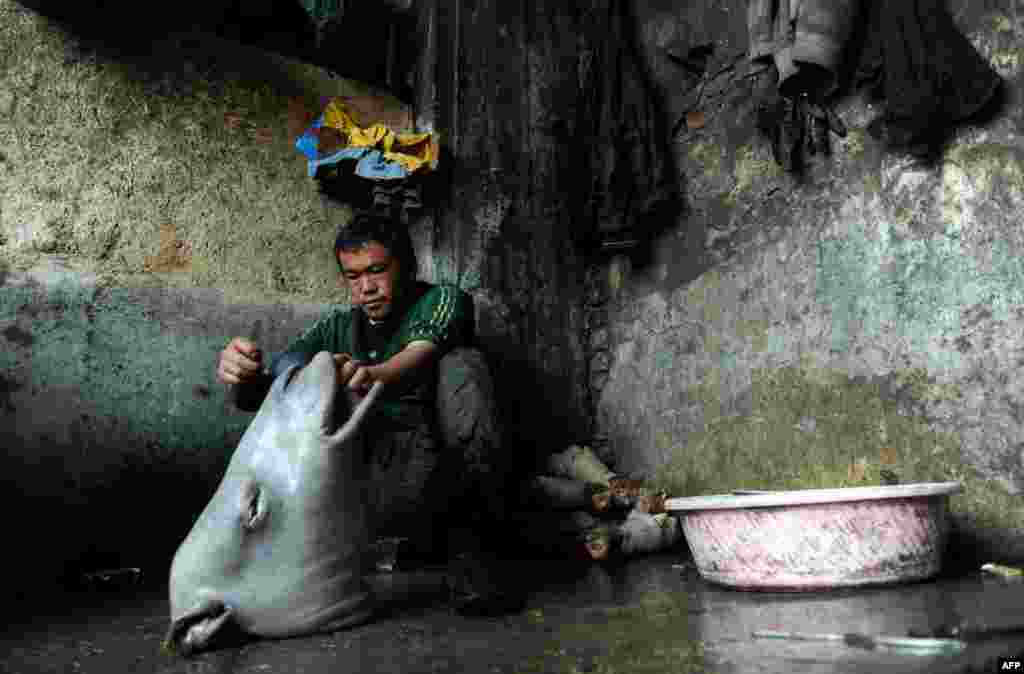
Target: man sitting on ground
(436, 437)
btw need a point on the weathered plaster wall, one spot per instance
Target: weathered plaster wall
(509, 104)
(170, 167)
(152, 206)
(868, 316)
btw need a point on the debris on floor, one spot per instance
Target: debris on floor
(643, 533)
(578, 462)
(1000, 570)
(581, 508)
(641, 617)
(909, 645)
(112, 578)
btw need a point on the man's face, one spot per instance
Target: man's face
(372, 275)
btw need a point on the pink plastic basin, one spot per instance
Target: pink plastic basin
(813, 539)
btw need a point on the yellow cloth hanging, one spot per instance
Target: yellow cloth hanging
(412, 151)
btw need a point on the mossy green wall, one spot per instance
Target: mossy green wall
(797, 333)
(114, 429)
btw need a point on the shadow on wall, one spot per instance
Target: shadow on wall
(276, 25)
(356, 48)
(80, 525)
(169, 47)
(533, 411)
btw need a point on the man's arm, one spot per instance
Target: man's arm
(439, 322)
(242, 365)
(415, 355)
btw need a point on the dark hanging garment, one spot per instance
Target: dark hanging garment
(621, 149)
(928, 72)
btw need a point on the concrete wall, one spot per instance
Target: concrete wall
(113, 427)
(152, 206)
(795, 333)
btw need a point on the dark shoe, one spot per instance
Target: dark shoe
(481, 586)
(416, 553)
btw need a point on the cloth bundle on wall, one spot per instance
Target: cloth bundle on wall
(372, 167)
(928, 72)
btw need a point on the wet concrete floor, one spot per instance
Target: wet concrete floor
(650, 614)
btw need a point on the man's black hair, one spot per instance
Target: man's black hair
(365, 228)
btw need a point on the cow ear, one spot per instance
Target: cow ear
(255, 508)
(359, 412)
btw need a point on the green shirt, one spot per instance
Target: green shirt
(442, 314)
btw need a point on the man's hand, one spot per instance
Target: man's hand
(359, 377)
(241, 362)
(353, 373)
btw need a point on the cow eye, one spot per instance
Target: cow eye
(254, 506)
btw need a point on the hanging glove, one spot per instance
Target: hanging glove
(820, 119)
(778, 119)
(803, 125)
(793, 124)
(788, 139)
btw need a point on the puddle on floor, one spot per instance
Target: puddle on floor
(651, 614)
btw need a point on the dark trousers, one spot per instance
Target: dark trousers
(450, 473)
